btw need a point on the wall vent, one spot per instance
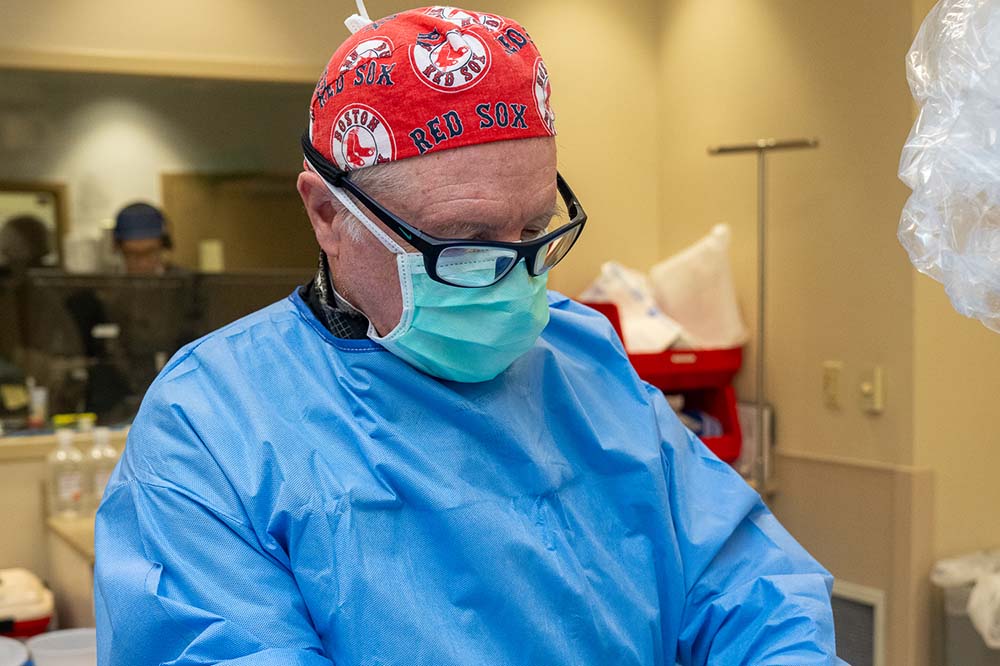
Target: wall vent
(859, 616)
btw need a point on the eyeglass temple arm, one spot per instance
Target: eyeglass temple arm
(411, 234)
(567, 193)
(340, 178)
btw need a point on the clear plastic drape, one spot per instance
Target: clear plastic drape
(951, 223)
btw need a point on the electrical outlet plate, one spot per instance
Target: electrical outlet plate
(832, 371)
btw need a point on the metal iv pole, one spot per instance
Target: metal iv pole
(762, 147)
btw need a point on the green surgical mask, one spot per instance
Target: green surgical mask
(456, 333)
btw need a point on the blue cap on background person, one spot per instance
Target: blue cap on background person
(139, 221)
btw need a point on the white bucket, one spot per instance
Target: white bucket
(69, 647)
(12, 653)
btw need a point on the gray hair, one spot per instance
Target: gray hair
(375, 180)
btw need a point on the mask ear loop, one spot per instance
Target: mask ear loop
(405, 272)
(346, 201)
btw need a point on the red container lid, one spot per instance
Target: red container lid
(25, 604)
(680, 369)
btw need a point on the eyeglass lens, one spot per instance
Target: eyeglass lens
(553, 252)
(472, 266)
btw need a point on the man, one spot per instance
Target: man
(141, 237)
(422, 457)
(24, 244)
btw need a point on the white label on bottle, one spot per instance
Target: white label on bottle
(70, 486)
(100, 483)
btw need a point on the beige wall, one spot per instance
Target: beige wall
(957, 380)
(23, 500)
(233, 38)
(958, 387)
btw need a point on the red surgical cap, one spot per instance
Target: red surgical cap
(425, 80)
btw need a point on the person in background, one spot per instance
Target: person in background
(24, 243)
(424, 457)
(142, 238)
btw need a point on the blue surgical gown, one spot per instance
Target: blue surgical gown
(290, 498)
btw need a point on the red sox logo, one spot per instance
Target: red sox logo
(369, 49)
(450, 62)
(491, 22)
(542, 92)
(361, 138)
(464, 19)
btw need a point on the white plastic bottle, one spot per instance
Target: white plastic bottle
(66, 477)
(102, 458)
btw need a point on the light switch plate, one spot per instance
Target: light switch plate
(873, 391)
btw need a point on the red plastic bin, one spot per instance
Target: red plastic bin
(720, 403)
(704, 376)
(685, 370)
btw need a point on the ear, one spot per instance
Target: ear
(323, 215)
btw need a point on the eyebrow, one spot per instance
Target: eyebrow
(468, 230)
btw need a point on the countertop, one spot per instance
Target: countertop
(28, 447)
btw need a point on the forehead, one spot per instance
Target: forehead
(505, 182)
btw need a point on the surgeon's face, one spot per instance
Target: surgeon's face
(494, 191)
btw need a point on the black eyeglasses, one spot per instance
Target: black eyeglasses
(465, 263)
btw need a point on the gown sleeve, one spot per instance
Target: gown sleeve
(755, 597)
(180, 577)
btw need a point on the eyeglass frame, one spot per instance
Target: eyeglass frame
(430, 246)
